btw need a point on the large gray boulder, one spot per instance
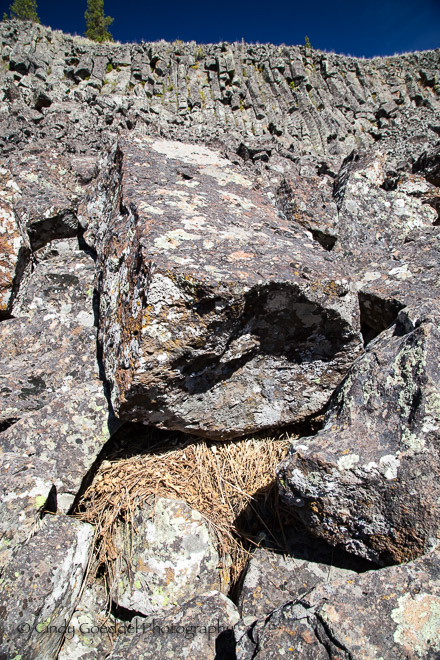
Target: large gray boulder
(217, 317)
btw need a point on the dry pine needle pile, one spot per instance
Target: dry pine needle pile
(220, 480)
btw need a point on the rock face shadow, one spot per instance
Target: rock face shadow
(277, 322)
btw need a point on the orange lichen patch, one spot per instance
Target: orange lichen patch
(239, 255)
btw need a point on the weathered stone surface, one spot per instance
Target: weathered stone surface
(387, 235)
(289, 631)
(61, 286)
(14, 245)
(173, 557)
(267, 98)
(308, 201)
(39, 359)
(215, 326)
(91, 631)
(67, 434)
(25, 491)
(51, 346)
(370, 480)
(390, 613)
(49, 195)
(197, 630)
(272, 579)
(40, 585)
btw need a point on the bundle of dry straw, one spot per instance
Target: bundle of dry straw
(225, 482)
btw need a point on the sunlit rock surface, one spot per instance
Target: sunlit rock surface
(220, 238)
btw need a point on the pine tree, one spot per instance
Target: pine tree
(96, 22)
(25, 10)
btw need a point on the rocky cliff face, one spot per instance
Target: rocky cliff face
(217, 241)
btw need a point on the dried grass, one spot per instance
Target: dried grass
(228, 483)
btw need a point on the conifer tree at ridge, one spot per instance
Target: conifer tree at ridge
(24, 10)
(96, 22)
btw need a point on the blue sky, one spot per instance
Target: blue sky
(373, 27)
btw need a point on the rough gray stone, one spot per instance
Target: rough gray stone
(369, 481)
(390, 613)
(272, 579)
(14, 245)
(211, 321)
(172, 557)
(67, 434)
(49, 196)
(26, 490)
(191, 631)
(255, 264)
(91, 631)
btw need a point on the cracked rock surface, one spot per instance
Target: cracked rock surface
(398, 617)
(371, 483)
(211, 321)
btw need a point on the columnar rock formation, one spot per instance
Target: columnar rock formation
(217, 240)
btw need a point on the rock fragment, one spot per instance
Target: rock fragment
(91, 632)
(201, 629)
(40, 586)
(26, 491)
(14, 245)
(369, 481)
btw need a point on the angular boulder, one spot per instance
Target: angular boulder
(370, 480)
(217, 316)
(67, 435)
(40, 586)
(50, 345)
(272, 579)
(25, 491)
(50, 193)
(388, 237)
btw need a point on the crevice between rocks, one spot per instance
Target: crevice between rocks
(225, 647)
(328, 639)
(5, 424)
(63, 225)
(376, 314)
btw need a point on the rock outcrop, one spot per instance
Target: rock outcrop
(218, 317)
(370, 482)
(219, 240)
